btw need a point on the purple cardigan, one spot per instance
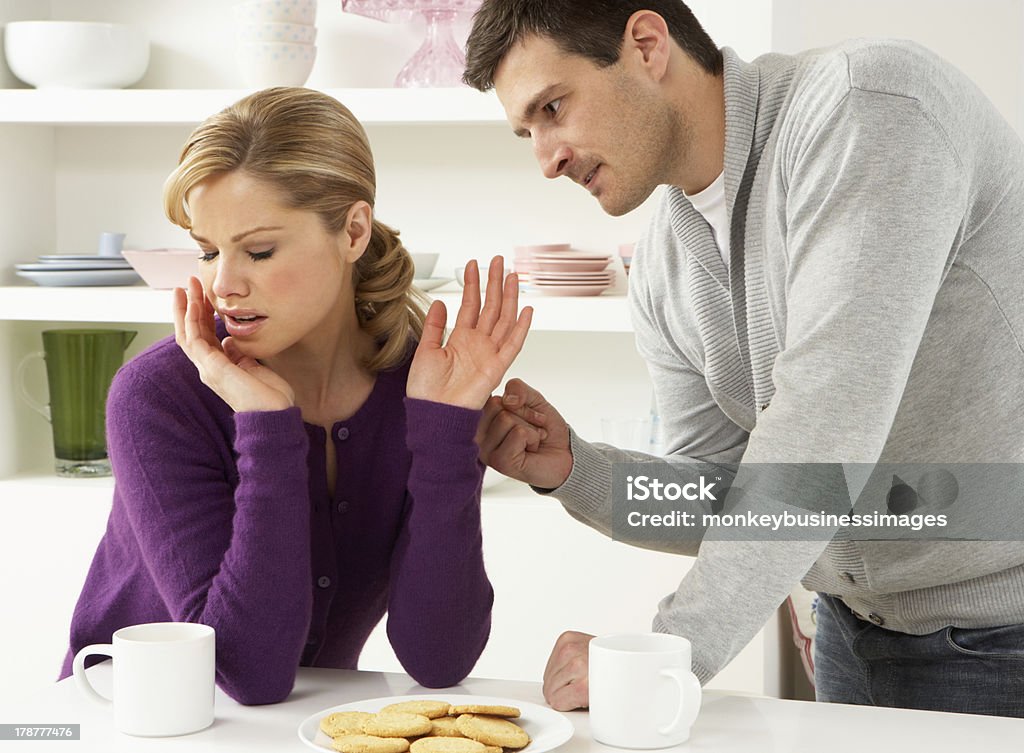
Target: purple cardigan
(225, 519)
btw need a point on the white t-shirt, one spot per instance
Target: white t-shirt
(711, 204)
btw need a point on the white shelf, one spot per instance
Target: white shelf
(39, 487)
(191, 106)
(133, 303)
(139, 304)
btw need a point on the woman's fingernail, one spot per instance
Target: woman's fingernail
(511, 399)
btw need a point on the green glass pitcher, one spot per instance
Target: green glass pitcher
(80, 365)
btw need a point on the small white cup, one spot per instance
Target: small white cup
(163, 678)
(642, 692)
(111, 244)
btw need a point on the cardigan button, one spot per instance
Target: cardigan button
(323, 581)
(876, 618)
(342, 433)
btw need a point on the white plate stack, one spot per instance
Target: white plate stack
(557, 269)
(78, 270)
(276, 41)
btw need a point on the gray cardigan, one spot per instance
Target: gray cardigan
(872, 310)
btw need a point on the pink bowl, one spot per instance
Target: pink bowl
(164, 268)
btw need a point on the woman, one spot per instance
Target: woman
(296, 467)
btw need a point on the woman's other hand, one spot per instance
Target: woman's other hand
(239, 380)
(466, 369)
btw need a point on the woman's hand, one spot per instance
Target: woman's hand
(484, 343)
(239, 380)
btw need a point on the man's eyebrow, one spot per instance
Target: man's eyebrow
(538, 101)
(236, 238)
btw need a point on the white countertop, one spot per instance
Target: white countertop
(727, 723)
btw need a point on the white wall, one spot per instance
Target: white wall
(744, 25)
(984, 38)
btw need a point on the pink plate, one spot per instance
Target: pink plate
(525, 252)
(572, 256)
(571, 266)
(571, 278)
(573, 290)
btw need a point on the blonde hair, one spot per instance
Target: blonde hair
(314, 151)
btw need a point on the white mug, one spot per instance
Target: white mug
(163, 678)
(642, 691)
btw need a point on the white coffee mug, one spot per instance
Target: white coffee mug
(642, 691)
(163, 678)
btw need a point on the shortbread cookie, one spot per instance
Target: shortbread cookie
(344, 723)
(398, 724)
(444, 726)
(369, 744)
(493, 749)
(492, 731)
(429, 709)
(446, 745)
(509, 712)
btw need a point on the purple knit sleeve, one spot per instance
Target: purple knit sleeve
(439, 610)
(234, 558)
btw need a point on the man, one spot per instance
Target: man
(834, 275)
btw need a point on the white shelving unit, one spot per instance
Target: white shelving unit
(450, 176)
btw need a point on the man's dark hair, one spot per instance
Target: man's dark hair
(591, 28)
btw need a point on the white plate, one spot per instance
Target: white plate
(429, 283)
(83, 277)
(547, 728)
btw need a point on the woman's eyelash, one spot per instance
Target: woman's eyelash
(254, 255)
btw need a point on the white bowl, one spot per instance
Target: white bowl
(424, 264)
(290, 33)
(164, 267)
(276, 12)
(76, 54)
(265, 64)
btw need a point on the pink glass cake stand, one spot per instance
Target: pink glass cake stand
(439, 61)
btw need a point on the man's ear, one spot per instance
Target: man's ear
(647, 43)
(358, 227)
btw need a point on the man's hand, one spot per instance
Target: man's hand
(566, 681)
(522, 436)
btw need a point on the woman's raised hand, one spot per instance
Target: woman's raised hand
(239, 380)
(466, 369)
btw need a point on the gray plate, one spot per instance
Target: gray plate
(82, 277)
(70, 267)
(88, 258)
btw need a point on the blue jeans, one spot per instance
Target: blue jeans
(976, 671)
